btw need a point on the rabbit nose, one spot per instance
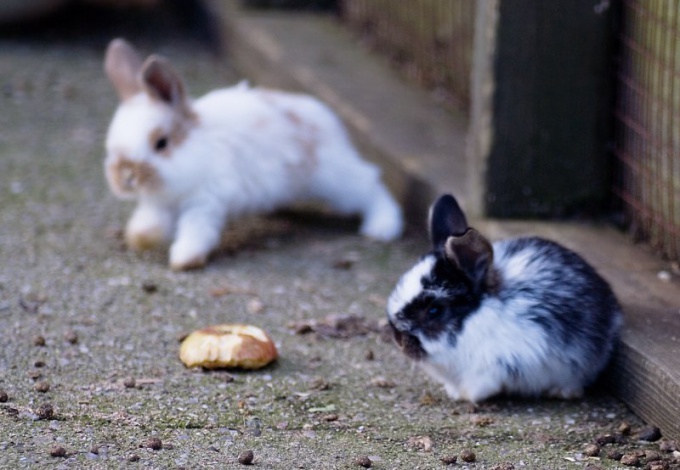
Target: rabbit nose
(409, 344)
(398, 336)
(128, 178)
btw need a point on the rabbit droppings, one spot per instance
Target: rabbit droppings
(192, 165)
(522, 316)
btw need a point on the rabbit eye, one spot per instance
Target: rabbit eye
(434, 311)
(161, 144)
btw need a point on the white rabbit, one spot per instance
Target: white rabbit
(194, 165)
(521, 316)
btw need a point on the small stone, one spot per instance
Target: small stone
(652, 456)
(382, 382)
(605, 439)
(620, 438)
(468, 456)
(34, 374)
(45, 411)
(94, 450)
(649, 434)
(133, 458)
(246, 457)
(426, 399)
(254, 426)
(3, 396)
(149, 287)
(370, 355)
(481, 421)
(39, 364)
(664, 276)
(58, 451)
(624, 428)
(363, 462)
(39, 340)
(319, 383)
(614, 455)
(71, 337)
(630, 460)
(330, 417)
(449, 459)
(343, 263)
(226, 378)
(42, 387)
(675, 267)
(255, 306)
(668, 446)
(153, 443)
(658, 466)
(422, 443)
(508, 466)
(592, 450)
(129, 382)
(303, 329)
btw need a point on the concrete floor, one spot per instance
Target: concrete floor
(107, 315)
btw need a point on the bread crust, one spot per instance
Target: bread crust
(228, 346)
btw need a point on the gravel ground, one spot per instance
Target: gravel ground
(89, 368)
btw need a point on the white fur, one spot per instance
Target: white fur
(473, 369)
(408, 288)
(251, 150)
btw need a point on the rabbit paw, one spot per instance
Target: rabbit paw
(146, 239)
(452, 391)
(183, 258)
(566, 393)
(149, 227)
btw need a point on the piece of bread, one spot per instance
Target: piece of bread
(228, 346)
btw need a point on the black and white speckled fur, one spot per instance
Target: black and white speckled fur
(521, 316)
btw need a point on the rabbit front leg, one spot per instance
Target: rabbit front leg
(149, 226)
(198, 233)
(480, 390)
(473, 387)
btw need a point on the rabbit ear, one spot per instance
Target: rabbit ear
(163, 83)
(472, 253)
(122, 64)
(446, 220)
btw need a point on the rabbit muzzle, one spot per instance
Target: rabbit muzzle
(129, 178)
(408, 343)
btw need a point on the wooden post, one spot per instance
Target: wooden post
(541, 104)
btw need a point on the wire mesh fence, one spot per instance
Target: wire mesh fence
(429, 40)
(648, 122)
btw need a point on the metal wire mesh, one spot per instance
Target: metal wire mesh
(429, 40)
(648, 122)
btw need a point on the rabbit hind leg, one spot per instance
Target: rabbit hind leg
(357, 189)
(382, 218)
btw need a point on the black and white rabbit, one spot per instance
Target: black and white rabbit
(521, 316)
